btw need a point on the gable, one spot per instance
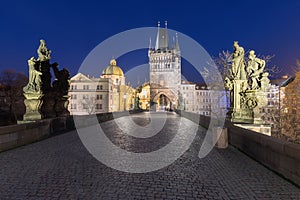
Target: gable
(80, 77)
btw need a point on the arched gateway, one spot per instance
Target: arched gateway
(164, 99)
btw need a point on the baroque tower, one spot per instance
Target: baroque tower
(165, 71)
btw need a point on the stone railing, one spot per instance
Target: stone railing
(278, 155)
(13, 136)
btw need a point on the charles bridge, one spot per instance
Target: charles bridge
(46, 156)
(54, 164)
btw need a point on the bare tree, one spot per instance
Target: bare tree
(12, 92)
(89, 104)
(223, 62)
(296, 67)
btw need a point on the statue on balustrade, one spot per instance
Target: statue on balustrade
(247, 85)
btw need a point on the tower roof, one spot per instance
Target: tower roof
(113, 69)
(162, 39)
(176, 47)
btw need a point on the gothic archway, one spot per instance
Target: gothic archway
(165, 101)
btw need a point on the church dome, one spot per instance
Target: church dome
(113, 69)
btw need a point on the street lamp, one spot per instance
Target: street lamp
(124, 101)
(184, 96)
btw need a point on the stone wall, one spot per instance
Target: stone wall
(278, 155)
(13, 136)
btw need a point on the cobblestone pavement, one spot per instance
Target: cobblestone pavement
(61, 168)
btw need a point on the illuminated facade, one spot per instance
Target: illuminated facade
(165, 71)
(90, 95)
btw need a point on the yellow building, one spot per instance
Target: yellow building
(123, 95)
(144, 96)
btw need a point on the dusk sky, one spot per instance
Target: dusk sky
(73, 28)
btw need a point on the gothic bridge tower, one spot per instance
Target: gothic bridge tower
(165, 71)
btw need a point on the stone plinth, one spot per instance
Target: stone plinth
(220, 137)
(33, 103)
(61, 106)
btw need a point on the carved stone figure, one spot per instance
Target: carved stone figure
(34, 82)
(238, 66)
(247, 97)
(42, 99)
(43, 52)
(61, 84)
(228, 84)
(255, 70)
(264, 81)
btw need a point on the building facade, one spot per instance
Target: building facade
(108, 93)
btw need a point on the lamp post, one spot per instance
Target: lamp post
(124, 102)
(184, 96)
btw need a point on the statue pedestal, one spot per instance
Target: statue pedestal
(240, 113)
(61, 106)
(220, 137)
(48, 105)
(33, 103)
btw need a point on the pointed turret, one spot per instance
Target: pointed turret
(176, 47)
(162, 39)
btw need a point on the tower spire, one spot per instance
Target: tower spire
(162, 40)
(150, 44)
(177, 43)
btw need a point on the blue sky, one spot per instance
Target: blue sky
(73, 28)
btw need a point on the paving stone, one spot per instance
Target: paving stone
(61, 168)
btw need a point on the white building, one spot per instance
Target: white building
(187, 91)
(108, 93)
(208, 102)
(90, 95)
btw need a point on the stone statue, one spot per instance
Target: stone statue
(42, 100)
(238, 66)
(43, 52)
(247, 97)
(264, 81)
(255, 70)
(228, 84)
(61, 84)
(34, 82)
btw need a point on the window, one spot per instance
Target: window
(73, 106)
(99, 96)
(99, 106)
(99, 87)
(73, 87)
(85, 87)
(73, 96)
(85, 106)
(85, 96)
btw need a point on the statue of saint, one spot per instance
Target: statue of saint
(43, 52)
(238, 66)
(255, 70)
(34, 82)
(61, 84)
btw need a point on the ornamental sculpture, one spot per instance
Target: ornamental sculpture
(42, 100)
(247, 83)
